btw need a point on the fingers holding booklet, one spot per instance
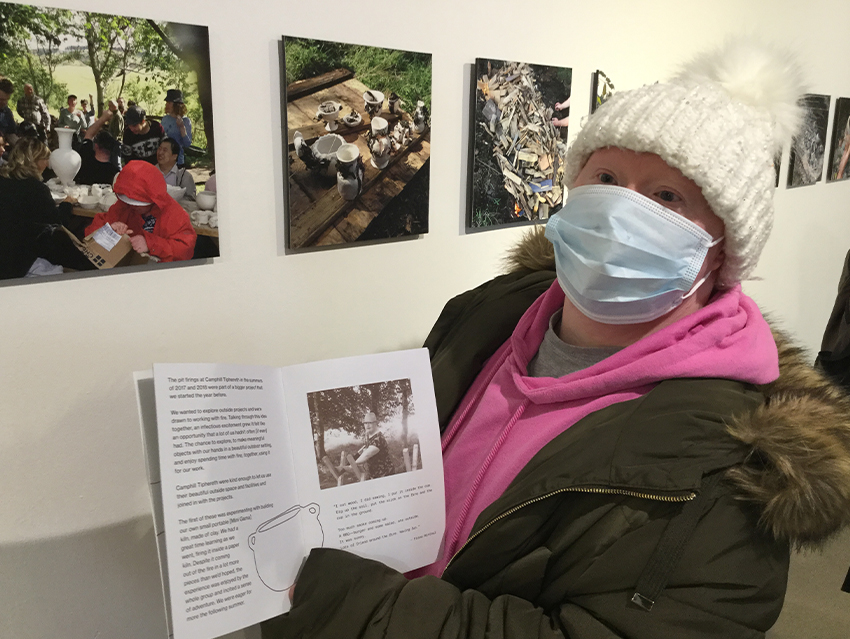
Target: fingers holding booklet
(250, 467)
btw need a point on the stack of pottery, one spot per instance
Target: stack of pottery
(350, 171)
(394, 103)
(379, 143)
(420, 117)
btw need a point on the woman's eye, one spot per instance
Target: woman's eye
(668, 196)
(607, 178)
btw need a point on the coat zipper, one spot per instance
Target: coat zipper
(573, 489)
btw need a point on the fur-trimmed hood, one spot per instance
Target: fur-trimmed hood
(798, 472)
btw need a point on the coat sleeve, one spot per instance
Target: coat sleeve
(99, 220)
(367, 600)
(177, 242)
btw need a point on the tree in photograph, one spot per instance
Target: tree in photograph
(337, 409)
(23, 25)
(109, 44)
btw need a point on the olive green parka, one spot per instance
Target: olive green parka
(671, 515)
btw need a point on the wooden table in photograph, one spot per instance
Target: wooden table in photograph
(318, 215)
(200, 229)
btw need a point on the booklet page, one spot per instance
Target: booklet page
(228, 487)
(367, 452)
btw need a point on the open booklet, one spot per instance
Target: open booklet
(250, 467)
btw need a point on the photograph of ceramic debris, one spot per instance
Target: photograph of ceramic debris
(839, 150)
(103, 91)
(805, 163)
(358, 142)
(519, 125)
(601, 89)
(363, 432)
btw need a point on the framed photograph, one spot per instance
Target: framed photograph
(518, 133)
(92, 95)
(358, 142)
(805, 164)
(839, 150)
(601, 89)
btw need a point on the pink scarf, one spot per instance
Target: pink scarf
(506, 417)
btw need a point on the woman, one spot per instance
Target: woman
(28, 214)
(375, 453)
(627, 450)
(177, 126)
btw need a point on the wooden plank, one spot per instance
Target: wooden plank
(304, 230)
(352, 225)
(299, 201)
(330, 237)
(301, 88)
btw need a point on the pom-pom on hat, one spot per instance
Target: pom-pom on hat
(722, 121)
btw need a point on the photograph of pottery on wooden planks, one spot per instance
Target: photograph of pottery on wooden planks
(520, 117)
(358, 142)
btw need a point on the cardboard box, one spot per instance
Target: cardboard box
(122, 254)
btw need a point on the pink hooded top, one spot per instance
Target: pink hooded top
(506, 417)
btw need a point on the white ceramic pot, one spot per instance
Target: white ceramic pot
(324, 150)
(349, 171)
(374, 102)
(107, 200)
(65, 161)
(277, 551)
(205, 200)
(381, 149)
(329, 112)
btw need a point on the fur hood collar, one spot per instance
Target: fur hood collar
(798, 470)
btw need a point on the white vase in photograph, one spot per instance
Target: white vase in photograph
(65, 161)
(349, 171)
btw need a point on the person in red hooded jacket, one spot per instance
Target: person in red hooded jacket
(156, 224)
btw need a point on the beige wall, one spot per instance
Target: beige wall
(77, 557)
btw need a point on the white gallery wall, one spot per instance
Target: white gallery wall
(77, 554)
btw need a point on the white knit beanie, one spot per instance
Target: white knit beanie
(722, 121)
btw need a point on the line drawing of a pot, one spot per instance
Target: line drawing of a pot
(275, 544)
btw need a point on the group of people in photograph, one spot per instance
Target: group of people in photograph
(121, 147)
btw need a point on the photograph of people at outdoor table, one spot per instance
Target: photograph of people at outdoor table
(84, 98)
(358, 142)
(363, 432)
(520, 115)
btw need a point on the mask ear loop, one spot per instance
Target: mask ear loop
(704, 277)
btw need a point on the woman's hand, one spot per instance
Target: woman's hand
(70, 199)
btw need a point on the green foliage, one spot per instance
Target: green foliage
(20, 27)
(406, 73)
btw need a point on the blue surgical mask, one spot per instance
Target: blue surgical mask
(621, 257)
